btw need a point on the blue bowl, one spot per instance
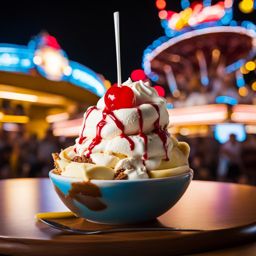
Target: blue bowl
(120, 201)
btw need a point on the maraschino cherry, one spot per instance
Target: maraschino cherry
(119, 97)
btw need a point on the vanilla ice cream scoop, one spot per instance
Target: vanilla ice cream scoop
(125, 132)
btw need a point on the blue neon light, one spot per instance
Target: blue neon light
(207, 2)
(204, 80)
(239, 79)
(169, 106)
(227, 18)
(226, 100)
(235, 66)
(184, 4)
(17, 58)
(86, 78)
(154, 77)
(223, 131)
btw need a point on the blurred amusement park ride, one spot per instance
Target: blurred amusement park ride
(204, 65)
(40, 85)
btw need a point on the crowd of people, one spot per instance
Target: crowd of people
(232, 161)
(23, 155)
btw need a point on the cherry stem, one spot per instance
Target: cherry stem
(118, 55)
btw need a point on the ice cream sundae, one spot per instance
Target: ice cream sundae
(124, 136)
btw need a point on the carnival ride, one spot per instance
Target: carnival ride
(40, 78)
(202, 60)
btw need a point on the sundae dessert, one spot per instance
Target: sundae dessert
(124, 137)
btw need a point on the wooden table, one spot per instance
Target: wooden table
(205, 205)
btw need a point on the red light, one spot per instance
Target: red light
(162, 14)
(138, 74)
(169, 14)
(160, 90)
(160, 4)
(51, 41)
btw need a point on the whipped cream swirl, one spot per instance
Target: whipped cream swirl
(138, 134)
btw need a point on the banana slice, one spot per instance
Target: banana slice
(76, 170)
(99, 173)
(104, 159)
(178, 157)
(67, 153)
(87, 171)
(168, 172)
(62, 164)
(184, 148)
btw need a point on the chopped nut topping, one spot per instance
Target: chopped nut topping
(57, 171)
(120, 175)
(82, 159)
(55, 156)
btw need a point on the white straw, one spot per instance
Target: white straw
(118, 56)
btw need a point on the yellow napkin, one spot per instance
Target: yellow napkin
(54, 215)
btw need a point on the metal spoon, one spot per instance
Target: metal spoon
(62, 227)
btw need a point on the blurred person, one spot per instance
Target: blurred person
(201, 172)
(15, 161)
(30, 166)
(46, 146)
(229, 159)
(210, 155)
(248, 161)
(16, 139)
(6, 107)
(5, 155)
(19, 110)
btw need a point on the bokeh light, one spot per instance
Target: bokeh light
(243, 91)
(246, 6)
(160, 90)
(107, 84)
(176, 94)
(160, 4)
(243, 70)
(250, 65)
(162, 14)
(138, 74)
(254, 85)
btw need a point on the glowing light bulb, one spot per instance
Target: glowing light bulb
(160, 4)
(215, 54)
(254, 85)
(176, 94)
(160, 90)
(243, 91)
(67, 71)
(243, 70)
(37, 60)
(162, 14)
(250, 65)
(246, 6)
(138, 74)
(107, 84)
